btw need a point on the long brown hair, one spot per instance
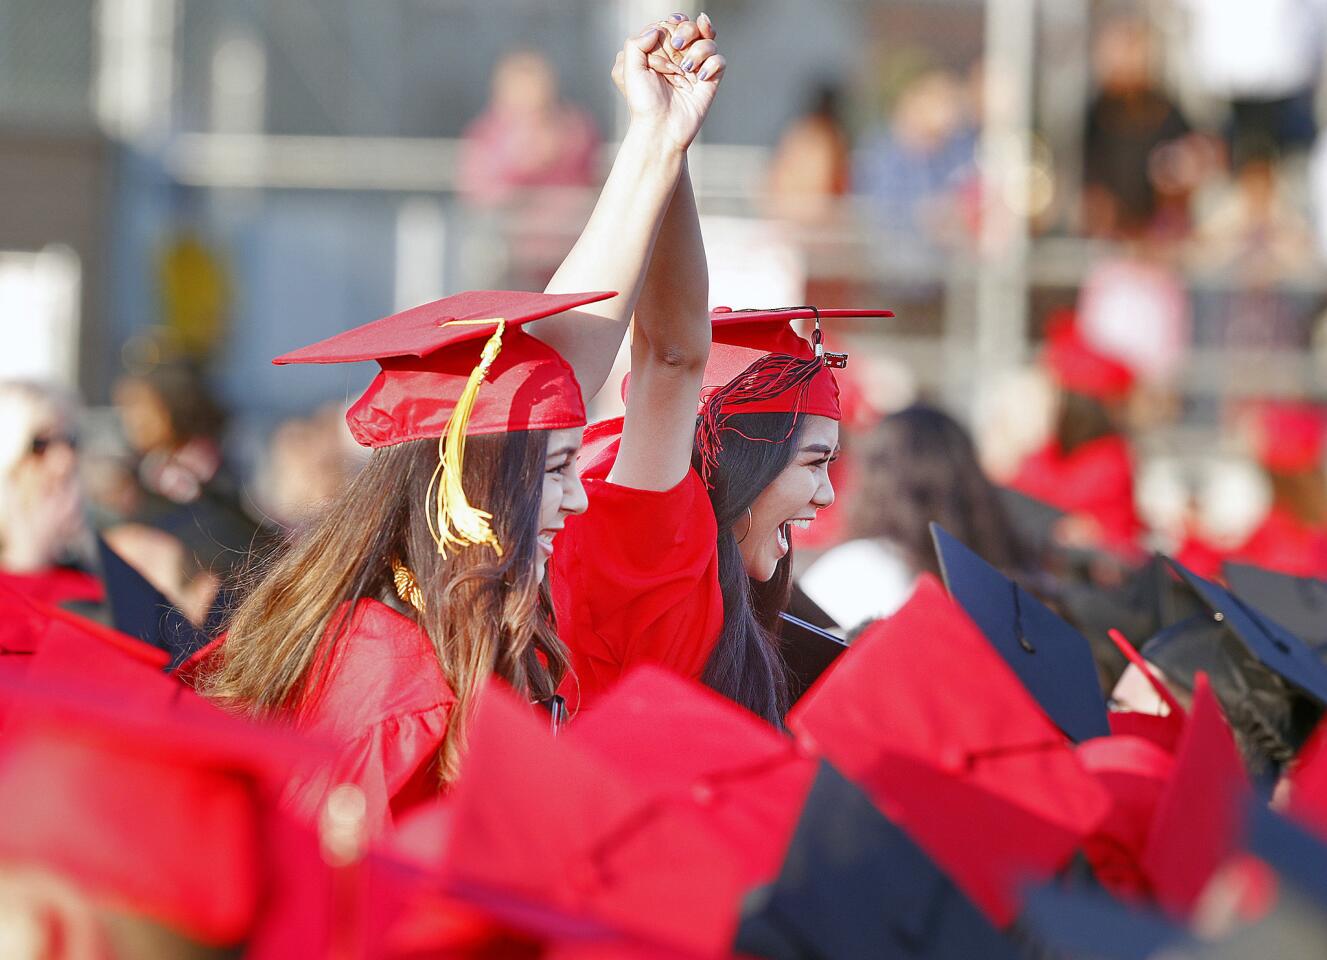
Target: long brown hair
(483, 614)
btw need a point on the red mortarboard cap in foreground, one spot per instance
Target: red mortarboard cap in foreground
(926, 716)
(1081, 367)
(455, 368)
(542, 819)
(1289, 437)
(158, 807)
(759, 364)
(1053, 660)
(687, 744)
(1197, 819)
(26, 624)
(1134, 770)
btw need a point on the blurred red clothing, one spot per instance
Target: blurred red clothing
(502, 154)
(55, 585)
(1286, 544)
(1093, 480)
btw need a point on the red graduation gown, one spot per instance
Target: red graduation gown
(55, 585)
(384, 709)
(1095, 479)
(1286, 544)
(635, 579)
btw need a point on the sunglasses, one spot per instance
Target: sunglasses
(44, 441)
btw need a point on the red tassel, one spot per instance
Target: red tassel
(771, 376)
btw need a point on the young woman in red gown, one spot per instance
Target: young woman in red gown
(376, 630)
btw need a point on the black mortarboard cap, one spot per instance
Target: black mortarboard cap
(1297, 603)
(807, 610)
(1275, 647)
(1091, 925)
(1051, 658)
(853, 884)
(141, 610)
(808, 651)
(1034, 520)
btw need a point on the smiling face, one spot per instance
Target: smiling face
(563, 493)
(799, 491)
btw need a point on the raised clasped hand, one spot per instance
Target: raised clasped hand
(669, 75)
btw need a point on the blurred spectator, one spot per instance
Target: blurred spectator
(169, 564)
(173, 425)
(812, 164)
(919, 466)
(1253, 228)
(1086, 469)
(526, 137)
(1263, 59)
(1289, 440)
(914, 171)
(308, 461)
(1134, 132)
(41, 518)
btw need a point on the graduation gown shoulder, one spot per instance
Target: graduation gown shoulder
(635, 579)
(384, 708)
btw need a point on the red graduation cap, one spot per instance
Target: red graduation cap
(1197, 822)
(759, 364)
(686, 744)
(1134, 770)
(458, 367)
(160, 807)
(550, 822)
(926, 716)
(1079, 366)
(1289, 436)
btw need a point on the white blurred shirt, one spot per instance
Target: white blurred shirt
(858, 581)
(1256, 49)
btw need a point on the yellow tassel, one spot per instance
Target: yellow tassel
(458, 523)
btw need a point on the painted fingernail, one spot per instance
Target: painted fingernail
(679, 17)
(703, 17)
(705, 74)
(648, 31)
(679, 42)
(687, 65)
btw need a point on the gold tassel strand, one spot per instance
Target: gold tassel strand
(458, 523)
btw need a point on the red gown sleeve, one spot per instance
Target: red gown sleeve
(635, 580)
(394, 762)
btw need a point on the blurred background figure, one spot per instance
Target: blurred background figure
(916, 467)
(811, 168)
(309, 459)
(1087, 467)
(43, 539)
(1288, 439)
(173, 426)
(913, 170)
(1131, 124)
(527, 137)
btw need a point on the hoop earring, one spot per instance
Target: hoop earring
(750, 521)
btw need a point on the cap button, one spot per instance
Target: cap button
(722, 310)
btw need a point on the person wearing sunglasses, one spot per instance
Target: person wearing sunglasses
(42, 530)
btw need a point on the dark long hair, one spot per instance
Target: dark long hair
(919, 465)
(483, 614)
(1080, 420)
(745, 664)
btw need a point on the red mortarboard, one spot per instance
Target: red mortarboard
(927, 717)
(1289, 437)
(156, 805)
(429, 353)
(458, 367)
(548, 821)
(1134, 770)
(1197, 822)
(759, 364)
(687, 744)
(1081, 367)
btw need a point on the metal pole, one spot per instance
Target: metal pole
(1006, 148)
